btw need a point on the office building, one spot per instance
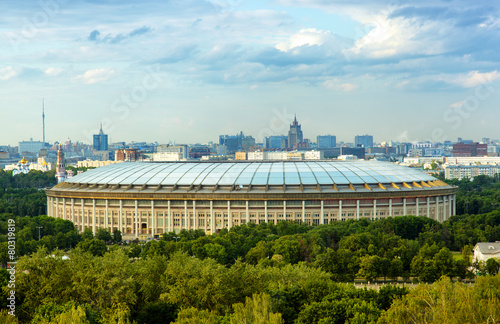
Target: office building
(365, 141)
(100, 141)
(326, 141)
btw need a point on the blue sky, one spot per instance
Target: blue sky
(187, 71)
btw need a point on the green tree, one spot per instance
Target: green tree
(370, 267)
(94, 246)
(117, 236)
(103, 234)
(492, 266)
(257, 309)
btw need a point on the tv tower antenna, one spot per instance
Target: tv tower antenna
(43, 119)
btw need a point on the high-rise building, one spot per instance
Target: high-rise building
(326, 141)
(472, 149)
(128, 155)
(365, 141)
(31, 146)
(276, 142)
(295, 133)
(237, 142)
(100, 141)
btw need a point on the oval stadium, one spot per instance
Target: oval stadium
(144, 200)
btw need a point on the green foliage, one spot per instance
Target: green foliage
(445, 302)
(94, 246)
(22, 194)
(257, 309)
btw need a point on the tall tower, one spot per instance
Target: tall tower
(43, 119)
(60, 170)
(100, 141)
(295, 133)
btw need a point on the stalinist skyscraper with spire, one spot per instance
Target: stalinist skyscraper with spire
(295, 133)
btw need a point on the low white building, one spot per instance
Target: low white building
(284, 156)
(455, 171)
(95, 164)
(485, 251)
(347, 157)
(168, 156)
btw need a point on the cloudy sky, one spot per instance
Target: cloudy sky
(188, 70)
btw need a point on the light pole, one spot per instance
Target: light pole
(39, 236)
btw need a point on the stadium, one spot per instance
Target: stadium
(145, 200)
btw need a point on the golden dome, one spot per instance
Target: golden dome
(23, 161)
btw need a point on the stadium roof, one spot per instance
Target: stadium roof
(250, 174)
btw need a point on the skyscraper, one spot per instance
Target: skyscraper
(295, 133)
(326, 141)
(100, 141)
(365, 141)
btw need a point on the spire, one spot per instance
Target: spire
(100, 130)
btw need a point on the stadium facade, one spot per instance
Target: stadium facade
(148, 199)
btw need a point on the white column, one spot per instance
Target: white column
(136, 218)
(404, 207)
(186, 224)
(83, 214)
(390, 207)
(357, 209)
(57, 207)
(165, 219)
(321, 216)
(229, 217)
(170, 219)
(247, 214)
(454, 205)
(340, 210)
(428, 206)
(212, 217)
(93, 216)
(266, 218)
(73, 210)
(303, 211)
(153, 218)
(375, 208)
(120, 220)
(437, 208)
(195, 225)
(418, 209)
(106, 217)
(64, 208)
(284, 210)
(450, 205)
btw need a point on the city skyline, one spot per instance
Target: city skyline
(190, 71)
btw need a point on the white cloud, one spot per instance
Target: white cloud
(309, 37)
(475, 78)
(96, 75)
(52, 71)
(7, 73)
(336, 85)
(459, 104)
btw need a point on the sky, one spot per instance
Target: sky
(186, 71)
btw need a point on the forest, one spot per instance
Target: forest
(266, 273)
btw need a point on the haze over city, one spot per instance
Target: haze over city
(187, 71)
